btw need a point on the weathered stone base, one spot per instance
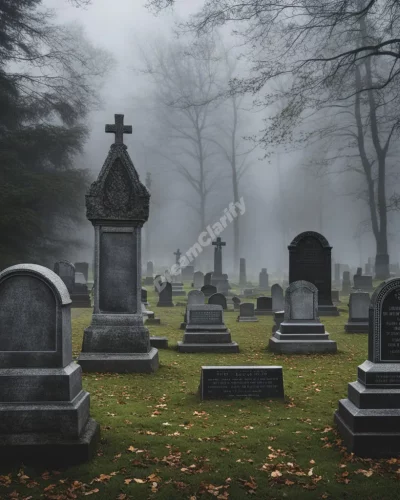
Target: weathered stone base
(119, 362)
(153, 321)
(231, 347)
(328, 311)
(159, 342)
(51, 449)
(263, 312)
(359, 327)
(300, 346)
(165, 304)
(247, 319)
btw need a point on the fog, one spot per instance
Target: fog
(281, 195)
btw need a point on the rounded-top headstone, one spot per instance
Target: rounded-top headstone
(35, 318)
(301, 301)
(195, 297)
(218, 299)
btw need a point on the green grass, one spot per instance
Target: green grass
(155, 429)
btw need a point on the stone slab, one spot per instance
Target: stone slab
(353, 327)
(238, 382)
(328, 310)
(159, 342)
(50, 449)
(207, 337)
(263, 312)
(119, 363)
(227, 348)
(247, 319)
(302, 346)
(364, 397)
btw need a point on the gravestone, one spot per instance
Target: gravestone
(246, 312)
(335, 296)
(66, 271)
(346, 284)
(82, 267)
(363, 282)
(219, 279)
(301, 331)
(80, 294)
(278, 318)
(149, 273)
(218, 299)
(359, 271)
(165, 295)
(158, 283)
(358, 313)
(206, 331)
(44, 413)
(236, 303)
(310, 260)
(368, 420)
(143, 297)
(207, 279)
(248, 292)
(263, 279)
(187, 273)
(337, 274)
(195, 297)
(242, 272)
(117, 204)
(209, 290)
(238, 382)
(278, 302)
(264, 306)
(198, 279)
(177, 289)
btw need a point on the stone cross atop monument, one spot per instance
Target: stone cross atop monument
(218, 243)
(177, 254)
(119, 129)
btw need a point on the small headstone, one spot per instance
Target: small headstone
(207, 279)
(165, 295)
(310, 260)
(218, 299)
(263, 279)
(149, 273)
(247, 313)
(44, 413)
(264, 306)
(359, 271)
(158, 283)
(144, 297)
(248, 292)
(242, 272)
(195, 297)
(238, 382)
(206, 331)
(209, 290)
(368, 419)
(346, 283)
(236, 303)
(198, 279)
(363, 282)
(277, 297)
(82, 267)
(358, 313)
(335, 296)
(80, 294)
(187, 273)
(337, 274)
(66, 271)
(301, 331)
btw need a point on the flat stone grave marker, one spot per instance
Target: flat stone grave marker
(358, 313)
(368, 419)
(218, 299)
(238, 382)
(44, 412)
(278, 301)
(246, 312)
(264, 306)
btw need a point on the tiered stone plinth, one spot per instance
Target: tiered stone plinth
(303, 337)
(355, 326)
(369, 419)
(177, 290)
(328, 310)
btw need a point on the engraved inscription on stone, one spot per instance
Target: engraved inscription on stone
(390, 327)
(205, 317)
(118, 273)
(32, 325)
(302, 304)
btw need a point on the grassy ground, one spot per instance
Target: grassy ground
(160, 441)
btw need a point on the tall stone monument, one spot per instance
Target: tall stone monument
(219, 279)
(242, 272)
(117, 205)
(44, 412)
(368, 419)
(310, 260)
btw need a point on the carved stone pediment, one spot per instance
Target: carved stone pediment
(118, 193)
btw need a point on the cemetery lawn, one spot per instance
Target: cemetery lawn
(158, 440)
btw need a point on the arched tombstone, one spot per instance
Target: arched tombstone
(277, 297)
(310, 260)
(218, 299)
(209, 290)
(264, 306)
(66, 271)
(358, 313)
(368, 419)
(195, 298)
(44, 413)
(165, 295)
(301, 331)
(207, 278)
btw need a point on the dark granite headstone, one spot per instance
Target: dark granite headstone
(209, 290)
(363, 282)
(236, 303)
(238, 382)
(149, 273)
(242, 272)
(80, 294)
(278, 301)
(246, 312)
(368, 419)
(117, 204)
(144, 295)
(264, 306)
(165, 296)
(263, 279)
(195, 297)
(82, 267)
(310, 260)
(218, 299)
(66, 271)
(44, 413)
(207, 279)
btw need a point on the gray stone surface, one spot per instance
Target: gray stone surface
(242, 272)
(209, 290)
(43, 408)
(82, 267)
(363, 282)
(165, 296)
(368, 419)
(236, 303)
(301, 331)
(263, 279)
(358, 313)
(218, 299)
(117, 204)
(278, 302)
(198, 279)
(346, 283)
(264, 306)
(149, 273)
(247, 313)
(66, 271)
(207, 278)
